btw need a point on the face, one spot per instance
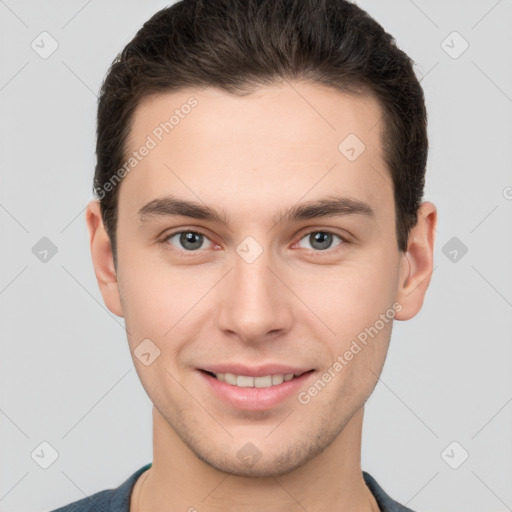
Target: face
(256, 239)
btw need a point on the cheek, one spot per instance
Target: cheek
(349, 297)
(161, 302)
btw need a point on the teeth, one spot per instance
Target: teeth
(244, 381)
(228, 378)
(263, 382)
(277, 379)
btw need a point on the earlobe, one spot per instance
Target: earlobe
(102, 258)
(417, 263)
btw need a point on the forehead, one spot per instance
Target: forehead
(277, 143)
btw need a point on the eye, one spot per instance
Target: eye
(193, 241)
(319, 240)
(189, 241)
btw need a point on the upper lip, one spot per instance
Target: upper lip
(255, 371)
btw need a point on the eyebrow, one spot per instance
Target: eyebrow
(333, 205)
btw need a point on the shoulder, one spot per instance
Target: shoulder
(99, 502)
(108, 500)
(385, 502)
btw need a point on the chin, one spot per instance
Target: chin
(260, 459)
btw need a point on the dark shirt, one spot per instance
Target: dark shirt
(118, 500)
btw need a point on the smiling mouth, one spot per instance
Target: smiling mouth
(246, 381)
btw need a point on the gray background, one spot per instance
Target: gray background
(67, 377)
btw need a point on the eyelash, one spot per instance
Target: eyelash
(329, 250)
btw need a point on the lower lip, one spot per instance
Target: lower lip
(255, 399)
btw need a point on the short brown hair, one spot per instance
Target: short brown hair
(238, 45)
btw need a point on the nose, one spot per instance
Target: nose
(255, 304)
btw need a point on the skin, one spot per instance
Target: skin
(251, 158)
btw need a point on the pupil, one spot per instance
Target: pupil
(324, 239)
(187, 240)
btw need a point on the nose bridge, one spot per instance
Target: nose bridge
(253, 304)
(252, 279)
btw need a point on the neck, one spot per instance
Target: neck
(179, 480)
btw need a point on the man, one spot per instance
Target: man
(260, 171)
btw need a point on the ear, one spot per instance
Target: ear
(417, 263)
(102, 258)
